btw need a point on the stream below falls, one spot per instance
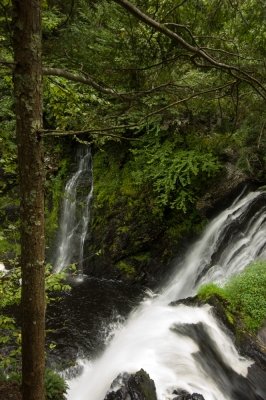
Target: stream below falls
(109, 328)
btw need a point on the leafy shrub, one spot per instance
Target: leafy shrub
(176, 173)
(55, 386)
(245, 293)
(10, 294)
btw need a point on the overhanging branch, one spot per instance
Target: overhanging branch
(198, 52)
(104, 131)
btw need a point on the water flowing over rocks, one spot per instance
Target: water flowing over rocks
(186, 347)
(75, 216)
(254, 387)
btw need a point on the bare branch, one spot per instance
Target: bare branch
(77, 78)
(261, 132)
(232, 54)
(89, 131)
(187, 99)
(186, 29)
(89, 81)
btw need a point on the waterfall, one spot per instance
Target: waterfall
(75, 216)
(179, 346)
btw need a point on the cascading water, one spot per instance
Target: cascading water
(184, 347)
(76, 213)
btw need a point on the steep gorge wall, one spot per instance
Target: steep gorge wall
(134, 239)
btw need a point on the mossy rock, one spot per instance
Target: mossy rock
(142, 384)
(138, 386)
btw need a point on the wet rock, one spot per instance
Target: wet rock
(224, 191)
(138, 386)
(184, 395)
(261, 335)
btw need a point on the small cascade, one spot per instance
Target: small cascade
(184, 347)
(76, 213)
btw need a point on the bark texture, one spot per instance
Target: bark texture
(28, 104)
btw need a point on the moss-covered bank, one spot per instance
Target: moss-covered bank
(134, 236)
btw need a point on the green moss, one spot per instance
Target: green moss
(123, 228)
(245, 295)
(126, 269)
(142, 257)
(229, 317)
(143, 384)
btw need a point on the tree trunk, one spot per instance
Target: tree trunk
(28, 105)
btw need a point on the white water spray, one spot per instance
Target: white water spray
(152, 338)
(73, 231)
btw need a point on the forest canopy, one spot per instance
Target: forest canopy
(195, 84)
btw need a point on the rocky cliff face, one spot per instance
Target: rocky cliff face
(224, 191)
(136, 244)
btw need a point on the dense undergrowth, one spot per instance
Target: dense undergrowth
(10, 334)
(131, 223)
(55, 387)
(245, 295)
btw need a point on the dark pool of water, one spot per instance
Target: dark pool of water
(84, 320)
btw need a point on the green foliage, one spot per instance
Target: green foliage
(205, 292)
(8, 148)
(51, 20)
(10, 288)
(55, 386)
(126, 269)
(175, 173)
(10, 294)
(10, 365)
(245, 293)
(9, 241)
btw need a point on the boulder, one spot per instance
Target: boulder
(184, 395)
(224, 191)
(138, 386)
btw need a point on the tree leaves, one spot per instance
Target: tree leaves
(174, 172)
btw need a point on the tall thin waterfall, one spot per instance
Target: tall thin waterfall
(165, 341)
(76, 213)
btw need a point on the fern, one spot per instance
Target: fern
(175, 173)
